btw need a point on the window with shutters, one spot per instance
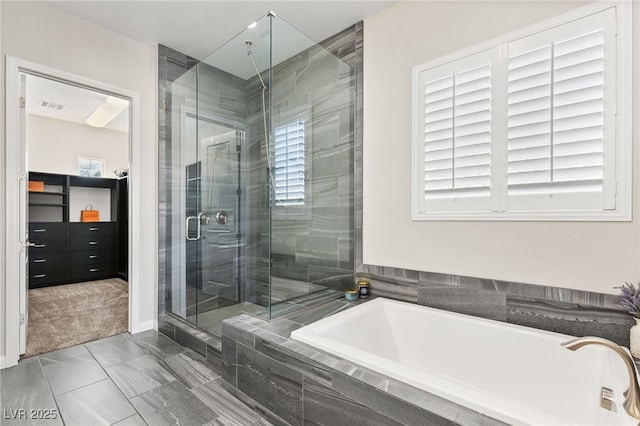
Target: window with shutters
(532, 126)
(289, 164)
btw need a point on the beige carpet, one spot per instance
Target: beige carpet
(71, 314)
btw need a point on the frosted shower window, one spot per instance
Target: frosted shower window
(289, 164)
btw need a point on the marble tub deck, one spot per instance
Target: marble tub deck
(121, 380)
(301, 385)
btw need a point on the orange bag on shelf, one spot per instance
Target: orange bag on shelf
(36, 186)
(89, 215)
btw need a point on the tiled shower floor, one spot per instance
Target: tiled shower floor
(121, 380)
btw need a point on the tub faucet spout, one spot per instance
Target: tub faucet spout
(632, 395)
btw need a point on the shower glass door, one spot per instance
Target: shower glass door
(205, 202)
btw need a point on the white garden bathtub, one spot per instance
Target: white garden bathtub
(515, 374)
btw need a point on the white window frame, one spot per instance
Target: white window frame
(499, 196)
(92, 160)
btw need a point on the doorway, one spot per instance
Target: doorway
(77, 155)
(58, 197)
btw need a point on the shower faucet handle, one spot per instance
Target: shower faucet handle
(222, 217)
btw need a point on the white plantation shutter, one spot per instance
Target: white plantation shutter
(289, 164)
(456, 134)
(535, 125)
(557, 143)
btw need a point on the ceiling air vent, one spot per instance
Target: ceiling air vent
(53, 105)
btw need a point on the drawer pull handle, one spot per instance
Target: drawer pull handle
(93, 243)
(94, 256)
(94, 269)
(39, 260)
(39, 230)
(39, 245)
(40, 276)
(94, 229)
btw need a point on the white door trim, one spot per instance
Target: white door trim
(12, 201)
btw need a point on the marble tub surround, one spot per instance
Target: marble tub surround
(210, 346)
(574, 312)
(289, 381)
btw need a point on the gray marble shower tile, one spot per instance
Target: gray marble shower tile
(335, 278)
(233, 99)
(24, 387)
(314, 313)
(393, 275)
(134, 420)
(320, 251)
(432, 278)
(189, 340)
(190, 368)
(334, 161)
(275, 385)
(325, 191)
(100, 403)
(345, 254)
(334, 222)
(268, 417)
(345, 190)
(482, 303)
(283, 243)
(287, 267)
(324, 406)
(156, 344)
(71, 368)
(229, 409)
(172, 404)
(139, 375)
(295, 360)
(384, 403)
(570, 318)
(326, 134)
(229, 362)
(239, 331)
(114, 349)
(405, 292)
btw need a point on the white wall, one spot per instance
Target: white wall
(579, 255)
(55, 145)
(38, 33)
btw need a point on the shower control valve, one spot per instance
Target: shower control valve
(222, 217)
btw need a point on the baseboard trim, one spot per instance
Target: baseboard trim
(3, 363)
(143, 326)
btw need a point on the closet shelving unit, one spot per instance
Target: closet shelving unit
(63, 250)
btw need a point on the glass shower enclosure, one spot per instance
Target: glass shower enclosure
(261, 178)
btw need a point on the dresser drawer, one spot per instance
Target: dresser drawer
(49, 258)
(38, 278)
(93, 271)
(46, 245)
(93, 243)
(40, 231)
(91, 257)
(59, 269)
(92, 229)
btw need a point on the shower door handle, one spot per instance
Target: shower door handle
(197, 228)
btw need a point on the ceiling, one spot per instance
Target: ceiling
(68, 103)
(198, 28)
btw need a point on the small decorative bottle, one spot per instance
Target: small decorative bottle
(363, 288)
